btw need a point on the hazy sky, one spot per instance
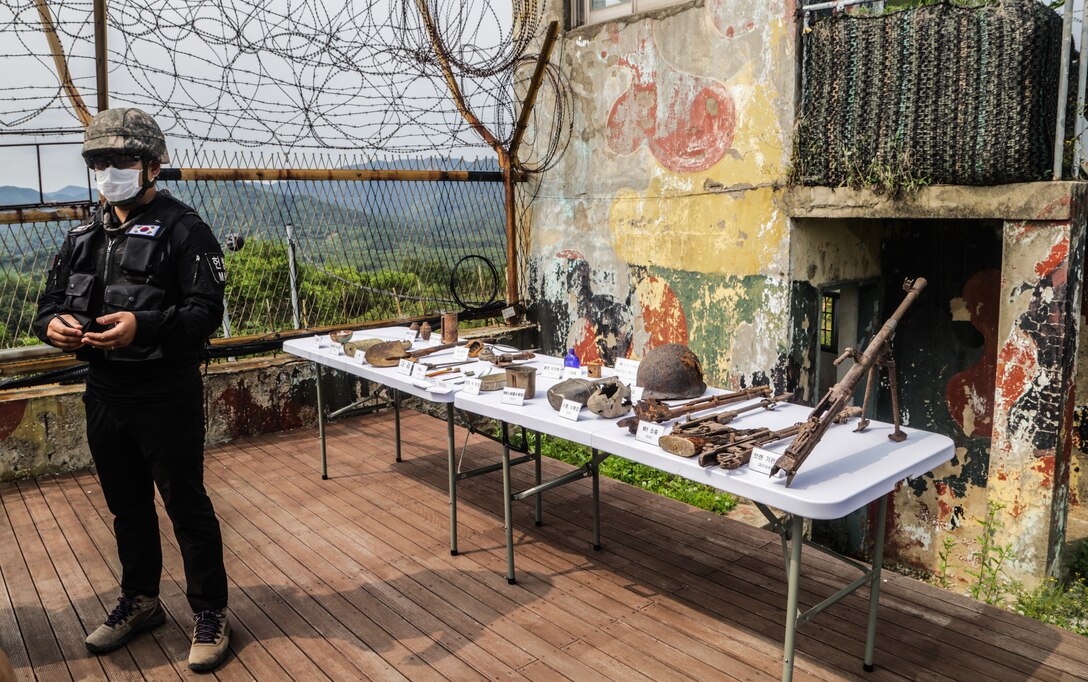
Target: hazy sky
(291, 84)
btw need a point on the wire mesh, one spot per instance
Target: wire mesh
(363, 250)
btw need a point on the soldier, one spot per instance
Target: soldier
(136, 293)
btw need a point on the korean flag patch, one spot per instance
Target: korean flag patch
(217, 266)
(144, 230)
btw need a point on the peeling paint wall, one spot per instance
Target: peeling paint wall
(43, 430)
(659, 222)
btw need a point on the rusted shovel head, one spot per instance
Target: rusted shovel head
(388, 354)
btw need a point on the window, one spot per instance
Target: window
(596, 11)
(829, 305)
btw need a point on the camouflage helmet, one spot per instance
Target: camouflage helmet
(671, 372)
(128, 131)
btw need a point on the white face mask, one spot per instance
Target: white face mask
(118, 185)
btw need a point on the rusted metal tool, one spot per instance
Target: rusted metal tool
(737, 455)
(710, 421)
(504, 359)
(653, 410)
(879, 350)
(390, 353)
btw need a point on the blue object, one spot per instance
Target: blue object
(571, 360)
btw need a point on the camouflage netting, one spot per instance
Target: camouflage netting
(939, 94)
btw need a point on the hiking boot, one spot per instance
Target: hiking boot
(132, 615)
(211, 635)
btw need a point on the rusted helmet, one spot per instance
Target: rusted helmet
(671, 372)
(128, 131)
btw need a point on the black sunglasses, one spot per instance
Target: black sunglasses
(120, 161)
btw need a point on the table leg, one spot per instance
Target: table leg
(396, 419)
(540, 495)
(451, 465)
(797, 539)
(596, 501)
(874, 585)
(507, 501)
(321, 423)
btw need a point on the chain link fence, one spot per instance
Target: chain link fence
(309, 253)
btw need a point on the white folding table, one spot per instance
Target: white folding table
(845, 472)
(325, 354)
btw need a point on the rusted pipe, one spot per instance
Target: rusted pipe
(37, 215)
(334, 174)
(534, 87)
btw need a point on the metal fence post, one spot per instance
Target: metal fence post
(1063, 90)
(293, 275)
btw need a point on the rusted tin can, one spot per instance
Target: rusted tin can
(522, 377)
(449, 327)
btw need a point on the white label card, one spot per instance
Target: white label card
(472, 386)
(405, 367)
(649, 432)
(575, 372)
(570, 409)
(626, 370)
(636, 394)
(460, 354)
(418, 371)
(762, 461)
(550, 371)
(360, 357)
(410, 335)
(513, 396)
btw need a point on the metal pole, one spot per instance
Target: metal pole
(507, 499)
(506, 163)
(293, 275)
(1063, 90)
(226, 319)
(540, 495)
(1082, 77)
(321, 424)
(596, 501)
(451, 465)
(796, 537)
(101, 57)
(874, 585)
(396, 419)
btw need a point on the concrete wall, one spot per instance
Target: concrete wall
(659, 223)
(662, 223)
(43, 430)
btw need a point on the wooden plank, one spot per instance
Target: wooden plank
(491, 654)
(300, 560)
(16, 626)
(446, 586)
(84, 496)
(39, 609)
(83, 601)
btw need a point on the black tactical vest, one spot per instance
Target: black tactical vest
(130, 271)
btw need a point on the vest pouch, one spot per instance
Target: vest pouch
(77, 295)
(132, 297)
(139, 255)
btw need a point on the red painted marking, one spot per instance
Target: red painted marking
(973, 388)
(1058, 254)
(570, 254)
(1016, 366)
(585, 341)
(663, 316)
(687, 121)
(11, 415)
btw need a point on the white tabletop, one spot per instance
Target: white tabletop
(536, 414)
(845, 471)
(439, 390)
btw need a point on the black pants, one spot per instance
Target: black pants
(136, 449)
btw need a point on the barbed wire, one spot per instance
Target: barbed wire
(360, 75)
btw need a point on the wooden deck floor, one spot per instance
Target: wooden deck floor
(351, 578)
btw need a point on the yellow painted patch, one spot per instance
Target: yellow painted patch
(676, 223)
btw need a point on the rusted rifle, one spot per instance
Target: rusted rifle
(878, 352)
(709, 422)
(738, 454)
(653, 410)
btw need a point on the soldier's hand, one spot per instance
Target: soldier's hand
(120, 335)
(65, 337)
